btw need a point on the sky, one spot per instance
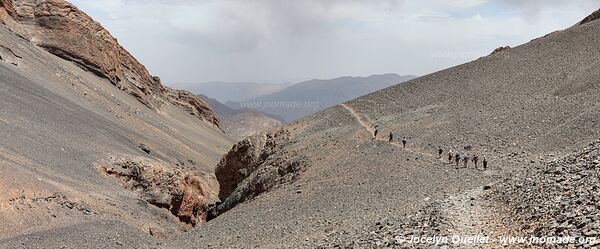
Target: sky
(277, 41)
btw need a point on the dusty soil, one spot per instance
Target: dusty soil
(59, 122)
(519, 108)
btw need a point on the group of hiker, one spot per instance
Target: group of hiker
(453, 156)
(390, 138)
(457, 157)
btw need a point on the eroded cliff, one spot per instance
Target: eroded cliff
(65, 31)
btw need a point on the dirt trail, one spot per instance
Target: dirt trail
(366, 122)
(468, 213)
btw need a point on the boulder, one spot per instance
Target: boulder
(184, 194)
(254, 166)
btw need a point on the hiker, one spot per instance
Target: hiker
(391, 137)
(450, 156)
(484, 164)
(475, 159)
(404, 142)
(457, 159)
(466, 160)
(375, 132)
(440, 151)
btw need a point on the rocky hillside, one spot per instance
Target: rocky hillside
(65, 31)
(323, 180)
(86, 165)
(560, 198)
(93, 148)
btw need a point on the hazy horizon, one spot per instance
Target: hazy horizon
(283, 41)
(283, 81)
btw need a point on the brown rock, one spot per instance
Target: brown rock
(234, 167)
(500, 49)
(194, 105)
(8, 8)
(184, 194)
(594, 16)
(192, 208)
(65, 31)
(250, 169)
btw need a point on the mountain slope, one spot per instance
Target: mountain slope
(322, 181)
(311, 96)
(63, 30)
(239, 124)
(94, 147)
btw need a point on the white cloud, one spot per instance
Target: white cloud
(254, 40)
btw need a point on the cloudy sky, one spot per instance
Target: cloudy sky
(294, 40)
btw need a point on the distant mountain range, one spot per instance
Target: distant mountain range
(233, 91)
(283, 102)
(311, 96)
(240, 123)
(532, 111)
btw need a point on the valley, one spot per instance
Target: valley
(96, 152)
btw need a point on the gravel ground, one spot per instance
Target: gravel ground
(520, 108)
(58, 122)
(558, 199)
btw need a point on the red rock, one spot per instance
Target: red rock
(180, 192)
(8, 8)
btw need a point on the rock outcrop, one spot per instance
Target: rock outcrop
(8, 55)
(65, 31)
(594, 16)
(500, 49)
(8, 8)
(184, 194)
(242, 159)
(250, 169)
